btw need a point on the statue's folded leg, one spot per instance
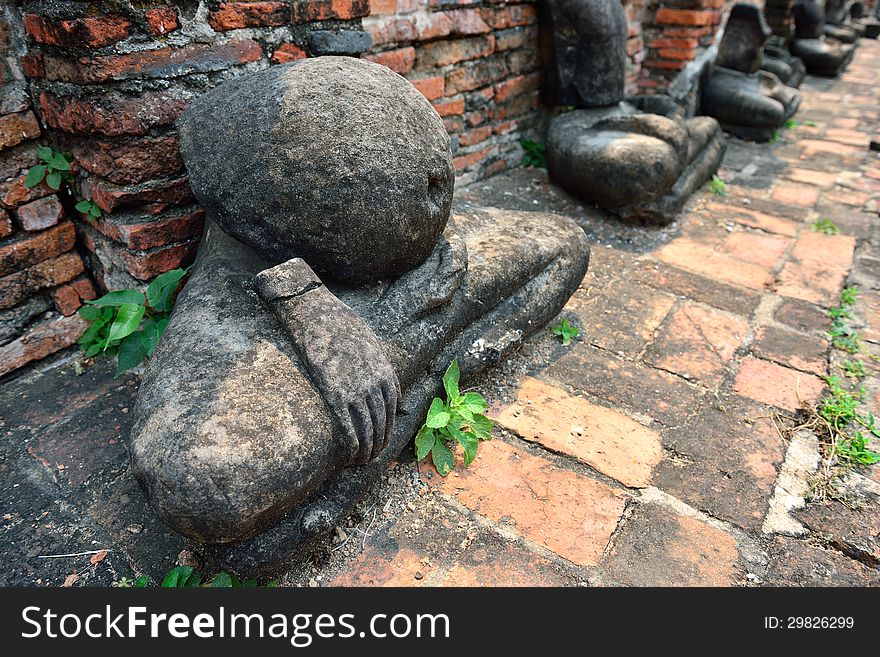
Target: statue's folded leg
(706, 150)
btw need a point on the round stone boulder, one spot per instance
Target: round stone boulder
(336, 160)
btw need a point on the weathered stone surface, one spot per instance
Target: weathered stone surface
(261, 149)
(339, 42)
(584, 51)
(204, 414)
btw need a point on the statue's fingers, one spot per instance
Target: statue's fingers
(364, 427)
(352, 445)
(377, 415)
(391, 398)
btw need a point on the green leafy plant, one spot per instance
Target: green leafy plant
(791, 124)
(535, 154)
(854, 369)
(826, 226)
(55, 170)
(842, 335)
(125, 583)
(565, 331)
(129, 323)
(186, 577)
(459, 419)
(90, 209)
(840, 412)
(717, 186)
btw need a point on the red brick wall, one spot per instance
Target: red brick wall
(42, 276)
(476, 61)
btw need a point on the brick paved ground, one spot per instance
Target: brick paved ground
(647, 453)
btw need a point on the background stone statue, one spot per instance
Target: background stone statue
(748, 102)
(639, 159)
(821, 56)
(330, 293)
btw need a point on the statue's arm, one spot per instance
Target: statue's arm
(341, 354)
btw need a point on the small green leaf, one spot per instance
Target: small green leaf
(83, 206)
(482, 426)
(94, 211)
(438, 415)
(160, 292)
(222, 580)
(45, 153)
(249, 584)
(119, 298)
(177, 577)
(142, 581)
(59, 163)
(131, 353)
(474, 402)
(442, 457)
(93, 350)
(424, 442)
(35, 176)
(470, 443)
(54, 180)
(150, 336)
(127, 321)
(272, 584)
(450, 381)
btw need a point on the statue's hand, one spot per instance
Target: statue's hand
(342, 355)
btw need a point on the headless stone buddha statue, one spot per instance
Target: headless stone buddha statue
(330, 293)
(821, 55)
(870, 24)
(639, 159)
(838, 22)
(749, 102)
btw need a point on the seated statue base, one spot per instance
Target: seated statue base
(640, 166)
(749, 106)
(823, 57)
(233, 443)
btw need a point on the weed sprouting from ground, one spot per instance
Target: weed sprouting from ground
(826, 226)
(843, 431)
(534, 155)
(717, 186)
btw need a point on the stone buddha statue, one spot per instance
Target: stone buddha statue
(330, 293)
(860, 16)
(821, 55)
(640, 158)
(838, 22)
(748, 102)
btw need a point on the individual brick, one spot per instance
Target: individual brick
(40, 214)
(238, 15)
(16, 287)
(161, 20)
(88, 32)
(30, 250)
(307, 11)
(775, 385)
(42, 340)
(17, 128)
(604, 438)
(540, 501)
